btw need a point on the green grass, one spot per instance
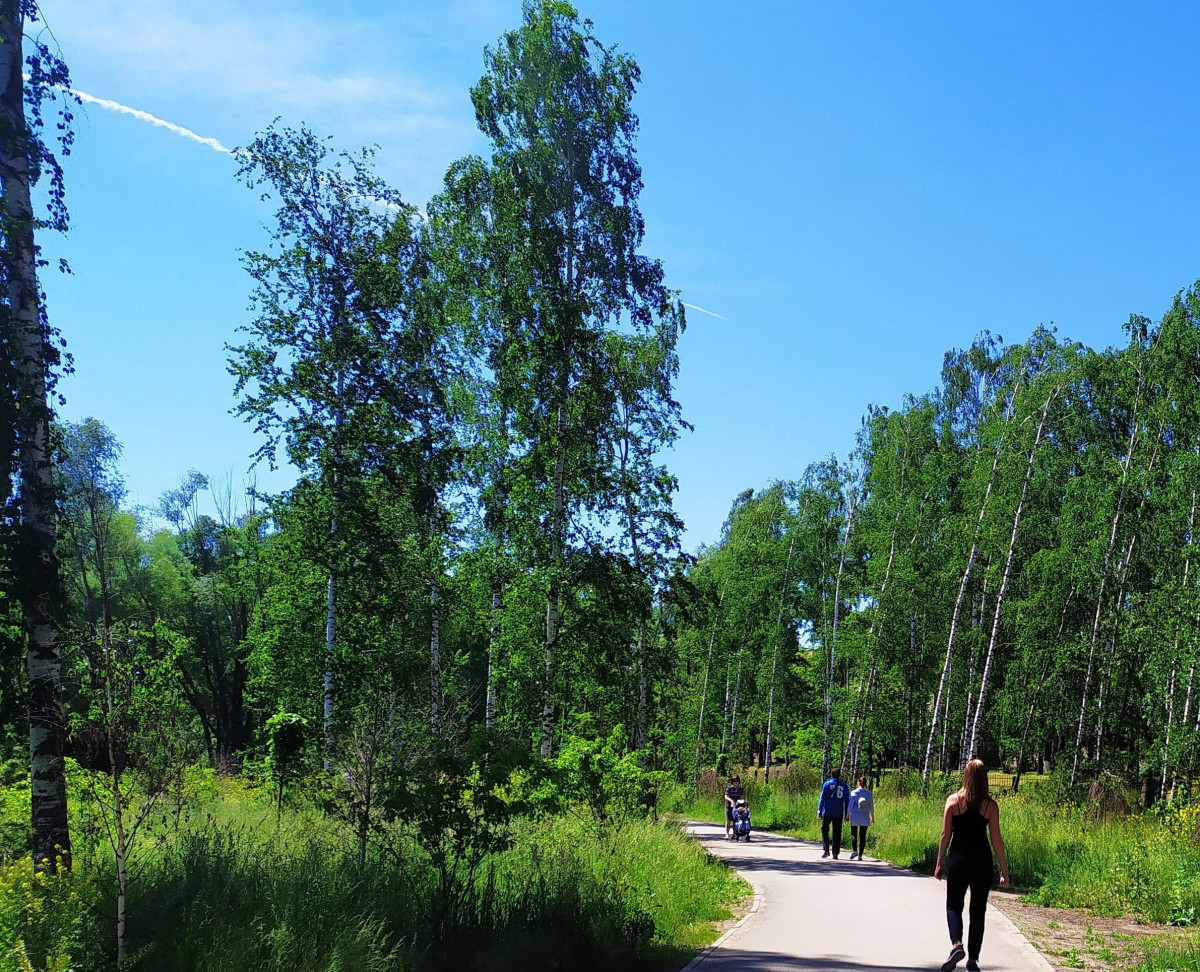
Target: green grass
(232, 890)
(1172, 957)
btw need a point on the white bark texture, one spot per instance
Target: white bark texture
(38, 528)
(973, 746)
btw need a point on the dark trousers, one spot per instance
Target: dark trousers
(962, 874)
(837, 833)
(858, 840)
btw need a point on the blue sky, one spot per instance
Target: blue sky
(854, 188)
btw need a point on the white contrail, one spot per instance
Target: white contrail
(145, 116)
(703, 311)
(187, 133)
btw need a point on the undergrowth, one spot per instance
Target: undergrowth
(234, 888)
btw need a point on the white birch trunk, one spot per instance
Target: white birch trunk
(712, 635)
(1112, 540)
(871, 642)
(775, 660)
(1012, 546)
(331, 594)
(554, 596)
(958, 602)
(832, 669)
(29, 351)
(435, 661)
(489, 705)
(1187, 564)
(737, 689)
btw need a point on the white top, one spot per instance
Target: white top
(862, 805)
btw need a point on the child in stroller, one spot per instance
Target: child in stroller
(741, 821)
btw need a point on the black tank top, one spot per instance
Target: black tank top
(969, 836)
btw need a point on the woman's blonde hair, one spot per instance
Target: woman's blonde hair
(974, 789)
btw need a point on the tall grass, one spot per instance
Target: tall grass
(234, 889)
(1172, 957)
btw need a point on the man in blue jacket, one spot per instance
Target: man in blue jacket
(833, 808)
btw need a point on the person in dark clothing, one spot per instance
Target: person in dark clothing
(833, 808)
(733, 793)
(971, 816)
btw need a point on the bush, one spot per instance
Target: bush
(904, 782)
(797, 778)
(710, 784)
(43, 920)
(1108, 796)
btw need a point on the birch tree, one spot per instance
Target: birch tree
(564, 185)
(313, 373)
(30, 372)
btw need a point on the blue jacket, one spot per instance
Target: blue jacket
(835, 796)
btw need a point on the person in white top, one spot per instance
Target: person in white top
(862, 816)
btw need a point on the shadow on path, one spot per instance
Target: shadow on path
(744, 858)
(736, 958)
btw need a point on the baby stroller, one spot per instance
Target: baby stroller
(741, 821)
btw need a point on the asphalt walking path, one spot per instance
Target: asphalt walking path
(842, 915)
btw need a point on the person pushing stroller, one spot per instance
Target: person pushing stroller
(734, 793)
(741, 821)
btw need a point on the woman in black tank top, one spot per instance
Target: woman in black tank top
(971, 817)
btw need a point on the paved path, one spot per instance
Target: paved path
(843, 916)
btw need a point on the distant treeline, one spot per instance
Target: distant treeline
(1004, 568)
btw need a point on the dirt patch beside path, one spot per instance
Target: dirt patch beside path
(1078, 940)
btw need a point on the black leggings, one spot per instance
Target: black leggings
(962, 874)
(858, 839)
(837, 833)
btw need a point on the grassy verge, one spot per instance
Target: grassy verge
(234, 889)
(1174, 957)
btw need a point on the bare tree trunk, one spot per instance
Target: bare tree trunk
(1112, 540)
(725, 712)
(775, 658)
(942, 763)
(330, 631)
(958, 602)
(435, 661)
(1112, 647)
(855, 745)
(737, 689)
(826, 766)
(1187, 566)
(37, 529)
(972, 749)
(554, 597)
(331, 594)
(642, 708)
(489, 705)
(712, 635)
(1062, 626)
(873, 647)
(118, 835)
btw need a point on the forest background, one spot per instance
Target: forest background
(470, 624)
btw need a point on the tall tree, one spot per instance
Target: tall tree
(30, 368)
(315, 372)
(564, 187)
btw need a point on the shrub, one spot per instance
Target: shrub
(710, 784)
(904, 782)
(797, 778)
